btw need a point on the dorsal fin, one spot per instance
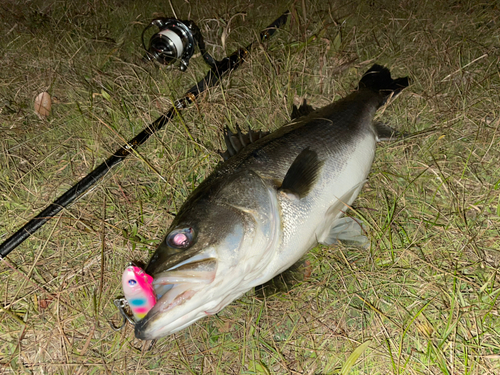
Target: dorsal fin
(303, 109)
(235, 142)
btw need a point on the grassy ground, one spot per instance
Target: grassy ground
(422, 300)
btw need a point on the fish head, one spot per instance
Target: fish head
(205, 261)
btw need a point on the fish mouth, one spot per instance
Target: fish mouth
(174, 288)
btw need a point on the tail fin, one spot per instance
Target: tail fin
(378, 79)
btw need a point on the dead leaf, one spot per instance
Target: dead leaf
(43, 102)
(44, 303)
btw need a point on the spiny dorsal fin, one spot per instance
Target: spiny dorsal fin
(302, 109)
(302, 174)
(235, 142)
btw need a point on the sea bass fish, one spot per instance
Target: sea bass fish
(264, 207)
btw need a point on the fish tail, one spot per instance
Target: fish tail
(378, 79)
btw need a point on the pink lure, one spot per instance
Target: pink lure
(138, 290)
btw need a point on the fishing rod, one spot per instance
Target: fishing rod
(218, 69)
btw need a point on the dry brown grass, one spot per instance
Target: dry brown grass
(425, 295)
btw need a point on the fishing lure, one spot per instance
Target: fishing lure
(138, 291)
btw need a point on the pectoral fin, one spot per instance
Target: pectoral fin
(302, 174)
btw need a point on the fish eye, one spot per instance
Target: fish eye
(180, 238)
(132, 282)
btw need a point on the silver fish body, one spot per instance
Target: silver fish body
(262, 209)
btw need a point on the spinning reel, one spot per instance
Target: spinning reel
(175, 41)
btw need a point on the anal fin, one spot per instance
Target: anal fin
(346, 229)
(385, 132)
(349, 230)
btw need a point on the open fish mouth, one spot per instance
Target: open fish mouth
(178, 284)
(174, 288)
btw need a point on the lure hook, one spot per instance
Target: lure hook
(120, 304)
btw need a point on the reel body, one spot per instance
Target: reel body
(175, 41)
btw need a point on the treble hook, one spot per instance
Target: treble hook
(120, 304)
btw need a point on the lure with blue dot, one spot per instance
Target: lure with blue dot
(138, 291)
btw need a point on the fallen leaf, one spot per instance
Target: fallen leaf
(43, 103)
(44, 303)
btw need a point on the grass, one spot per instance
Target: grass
(422, 300)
